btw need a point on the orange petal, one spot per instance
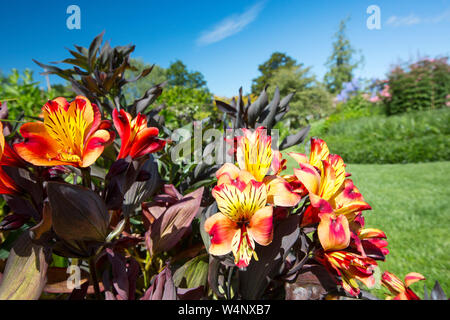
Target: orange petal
(320, 204)
(228, 200)
(146, 142)
(327, 181)
(334, 232)
(254, 152)
(242, 247)
(94, 147)
(38, 147)
(278, 163)
(261, 226)
(123, 127)
(222, 230)
(227, 173)
(299, 157)
(280, 193)
(309, 177)
(392, 282)
(2, 141)
(319, 152)
(339, 169)
(413, 277)
(246, 176)
(368, 233)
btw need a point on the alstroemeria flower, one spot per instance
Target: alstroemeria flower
(400, 290)
(255, 159)
(71, 134)
(243, 220)
(254, 152)
(2, 139)
(137, 138)
(349, 267)
(334, 202)
(7, 158)
(370, 242)
(319, 152)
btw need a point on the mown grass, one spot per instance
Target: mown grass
(411, 204)
(407, 138)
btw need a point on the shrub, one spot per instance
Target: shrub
(185, 105)
(24, 95)
(419, 86)
(355, 107)
(408, 138)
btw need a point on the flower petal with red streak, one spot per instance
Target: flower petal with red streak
(38, 147)
(413, 277)
(309, 177)
(261, 226)
(280, 193)
(278, 163)
(222, 230)
(319, 152)
(334, 232)
(227, 173)
(94, 147)
(299, 157)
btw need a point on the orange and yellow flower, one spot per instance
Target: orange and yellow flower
(244, 219)
(254, 152)
(335, 201)
(399, 289)
(255, 158)
(137, 138)
(350, 267)
(71, 134)
(2, 140)
(7, 158)
(370, 242)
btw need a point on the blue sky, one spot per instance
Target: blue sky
(225, 40)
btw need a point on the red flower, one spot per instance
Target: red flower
(137, 139)
(71, 134)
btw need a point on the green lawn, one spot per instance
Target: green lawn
(411, 204)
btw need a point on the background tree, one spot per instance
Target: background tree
(267, 69)
(135, 90)
(186, 96)
(311, 99)
(178, 75)
(341, 62)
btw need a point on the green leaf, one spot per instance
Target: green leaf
(25, 272)
(193, 273)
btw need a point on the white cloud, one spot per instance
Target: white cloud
(410, 20)
(413, 19)
(230, 25)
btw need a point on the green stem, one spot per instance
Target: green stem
(87, 182)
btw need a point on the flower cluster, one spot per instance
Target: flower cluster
(258, 204)
(247, 197)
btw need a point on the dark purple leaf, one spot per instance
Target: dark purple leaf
(162, 287)
(78, 213)
(255, 279)
(167, 230)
